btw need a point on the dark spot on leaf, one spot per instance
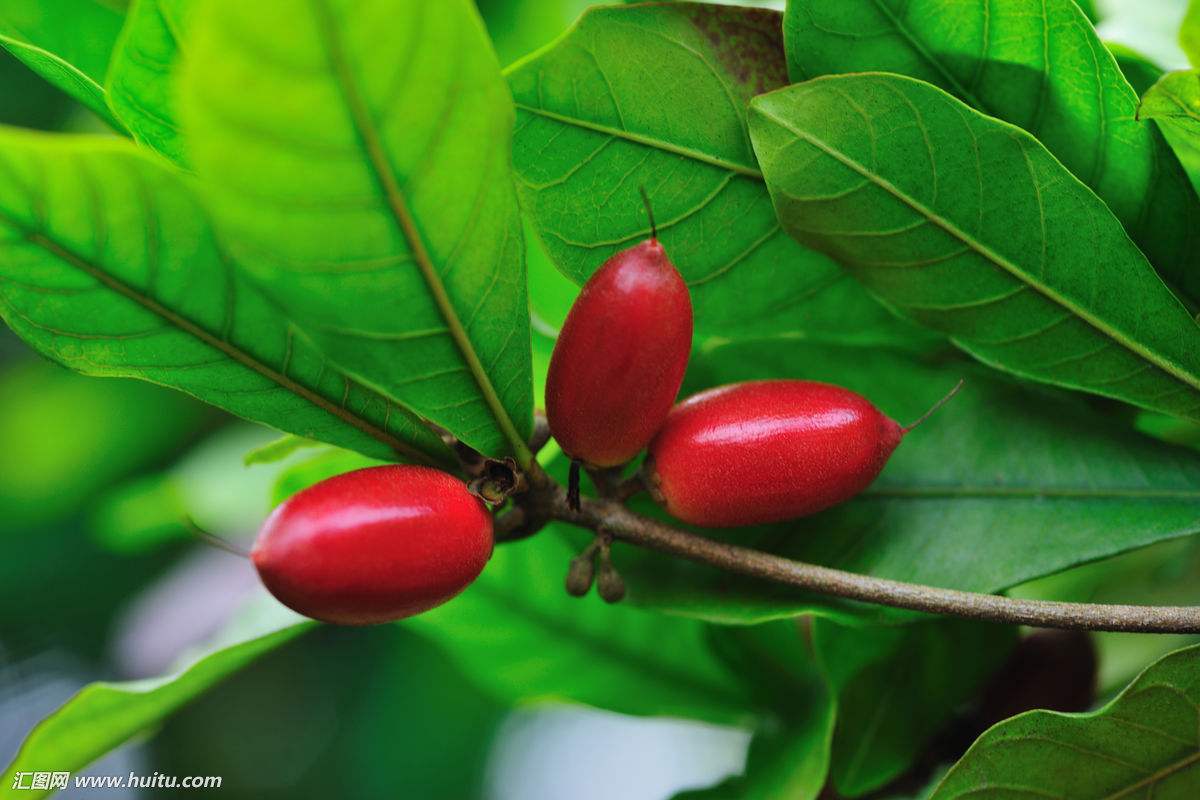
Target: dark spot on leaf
(748, 42)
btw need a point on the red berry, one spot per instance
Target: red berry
(620, 358)
(374, 545)
(767, 451)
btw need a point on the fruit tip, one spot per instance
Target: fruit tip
(934, 408)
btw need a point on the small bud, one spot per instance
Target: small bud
(580, 575)
(609, 584)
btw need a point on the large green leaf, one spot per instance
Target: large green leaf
(895, 688)
(1174, 104)
(1143, 744)
(1037, 64)
(1004, 484)
(968, 226)
(67, 42)
(518, 634)
(358, 155)
(591, 129)
(145, 63)
(108, 265)
(104, 715)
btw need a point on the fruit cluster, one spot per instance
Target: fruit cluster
(385, 543)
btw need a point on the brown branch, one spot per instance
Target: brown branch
(633, 528)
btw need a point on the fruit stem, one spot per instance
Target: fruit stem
(934, 408)
(212, 540)
(573, 486)
(649, 212)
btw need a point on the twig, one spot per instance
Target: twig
(635, 529)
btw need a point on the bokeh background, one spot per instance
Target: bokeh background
(100, 580)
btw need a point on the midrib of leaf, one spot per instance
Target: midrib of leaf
(24, 45)
(381, 169)
(648, 141)
(1153, 780)
(930, 59)
(237, 354)
(867, 740)
(990, 255)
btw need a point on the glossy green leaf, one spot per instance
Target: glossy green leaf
(1174, 104)
(969, 226)
(517, 633)
(67, 42)
(591, 129)
(1140, 71)
(104, 715)
(1037, 64)
(108, 265)
(1143, 744)
(357, 154)
(897, 687)
(145, 64)
(1003, 484)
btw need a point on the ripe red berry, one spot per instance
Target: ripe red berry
(767, 451)
(620, 358)
(374, 545)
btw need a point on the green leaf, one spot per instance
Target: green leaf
(969, 226)
(1174, 104)
(591, 129)
(104, 715)
(786, 763)
(789, 754)
(277, 450)
(1189, 33)
(145, 63)
(1003, 484)
(897, 687)
(518, 27)
(1140, 71)
(67, 42)
(108, 265)
(329, 462)
(1142, 744)
(518, 634)
(1037, 64)
(358, 157)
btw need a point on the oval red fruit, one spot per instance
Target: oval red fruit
(374, 545)
(767, 451)
(620, 358)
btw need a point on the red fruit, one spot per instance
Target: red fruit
(620, 357)
(767, 451)
(374, 545)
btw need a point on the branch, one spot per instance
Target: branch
(635, 529)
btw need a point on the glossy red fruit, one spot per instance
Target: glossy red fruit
(620, 358)
(767, 451)
(374, 545)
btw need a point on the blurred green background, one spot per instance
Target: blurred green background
(100, 580)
